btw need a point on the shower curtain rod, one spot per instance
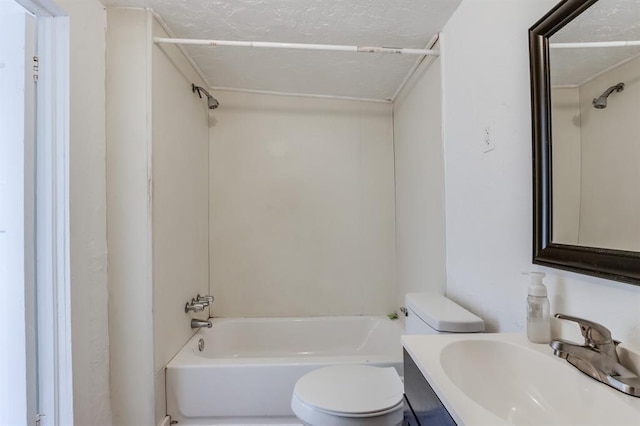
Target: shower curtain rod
(594, 44)
(302, 46)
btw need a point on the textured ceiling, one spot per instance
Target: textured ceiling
(389, 23)
(606, 20)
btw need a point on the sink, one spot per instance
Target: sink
(504, 379)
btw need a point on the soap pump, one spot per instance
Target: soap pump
(538, 319)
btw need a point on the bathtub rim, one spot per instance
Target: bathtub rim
(187, 357)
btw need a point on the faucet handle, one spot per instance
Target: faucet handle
(595, 335)
(193, 306)
(205, 300)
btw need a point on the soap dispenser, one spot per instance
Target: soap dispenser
(538, 320)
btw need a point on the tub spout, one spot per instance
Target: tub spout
(196, 323)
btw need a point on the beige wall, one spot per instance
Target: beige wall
(88, 231)
(566, 164)
(180, 163)
(419, 171)
(610, 205)
(157, 187)
(129, 216)
(301, 207)
(595, 171)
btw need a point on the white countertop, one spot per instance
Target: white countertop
(524, 384)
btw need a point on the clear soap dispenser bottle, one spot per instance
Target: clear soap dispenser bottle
(538, 320)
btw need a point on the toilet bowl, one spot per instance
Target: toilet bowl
(346, 395)
(359, 395)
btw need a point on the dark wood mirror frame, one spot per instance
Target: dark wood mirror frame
(615, 265)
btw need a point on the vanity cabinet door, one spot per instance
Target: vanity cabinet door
(423, 401)
(409, 418)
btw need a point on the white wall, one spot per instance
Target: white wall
(129, 215)
(610, 205)
(419, 175)
(301, 207)
(17, 386)
(88, 212)
(180, 204)
(489, 196)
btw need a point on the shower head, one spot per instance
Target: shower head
(212, 103)
(601, 102)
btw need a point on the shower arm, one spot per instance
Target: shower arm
(610, 90)
(198, 90)
(212, 103)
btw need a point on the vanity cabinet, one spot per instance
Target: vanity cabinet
(422, 405)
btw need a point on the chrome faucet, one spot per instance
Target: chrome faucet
(198, 303)
(205, 300)
(598, 357)
(194, 306)
(196, 323)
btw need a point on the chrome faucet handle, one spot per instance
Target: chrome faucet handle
(193, 306)
(595, 335)
(205, 300)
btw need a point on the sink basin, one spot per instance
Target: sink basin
(504, 379)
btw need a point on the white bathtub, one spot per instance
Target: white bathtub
(248, 366)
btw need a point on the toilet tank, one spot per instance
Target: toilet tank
(432, 313)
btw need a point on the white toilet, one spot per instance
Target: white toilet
(362, 395)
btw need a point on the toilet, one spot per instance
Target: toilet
(363, 395)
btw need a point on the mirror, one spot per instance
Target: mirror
(585, 96)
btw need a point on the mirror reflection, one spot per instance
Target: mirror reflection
(595, 94)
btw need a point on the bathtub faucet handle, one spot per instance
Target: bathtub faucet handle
(205, 300)
(193, 306)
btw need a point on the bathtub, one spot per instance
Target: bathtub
(249, 366)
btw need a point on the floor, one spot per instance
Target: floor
(256, 422)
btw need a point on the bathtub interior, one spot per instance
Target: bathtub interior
(301, 337)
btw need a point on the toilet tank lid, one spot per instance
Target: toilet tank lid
(442, 314)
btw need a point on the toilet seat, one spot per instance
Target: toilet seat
(348, 395)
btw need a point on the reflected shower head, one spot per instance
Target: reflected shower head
(212, 103)
(601, 102)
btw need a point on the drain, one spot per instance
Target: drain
(201, 345)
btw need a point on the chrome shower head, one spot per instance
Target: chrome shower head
(601, 102)
(212, 103)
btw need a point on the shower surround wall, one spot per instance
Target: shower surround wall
(419, 169)
(605, 137)
(565, 124)
(180, 162)
(301, 207)
(157, 191)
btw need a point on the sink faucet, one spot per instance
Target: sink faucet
(597, 357)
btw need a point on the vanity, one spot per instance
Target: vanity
(502, 379)
(422, 405)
